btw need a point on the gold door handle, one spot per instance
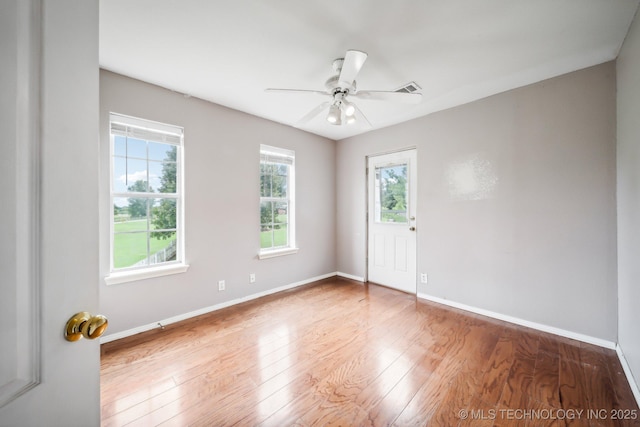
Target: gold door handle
(83, 324)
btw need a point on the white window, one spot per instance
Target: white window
(277, 201)
(146, 197)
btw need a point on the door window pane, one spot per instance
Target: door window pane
(391, 194)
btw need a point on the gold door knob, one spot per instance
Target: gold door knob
(83, 324)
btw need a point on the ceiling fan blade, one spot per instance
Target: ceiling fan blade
(312, 114)
(360, 116)
(353, 62)
(317, 92)
(382, 95)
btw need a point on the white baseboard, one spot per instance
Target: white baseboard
(539, 326)
(350, 276)
(627, 372)
(178, 318)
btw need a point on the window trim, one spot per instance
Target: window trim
(126, 276)
(156, 132)
(272, 153)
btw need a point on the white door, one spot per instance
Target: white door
(392, 180)
(48, 211)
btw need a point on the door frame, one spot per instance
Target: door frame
(366, 208)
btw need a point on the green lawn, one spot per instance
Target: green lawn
(393, 217)
(279, 237)
(130, 248)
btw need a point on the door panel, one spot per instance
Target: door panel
(401, 256)
(19, 370)
(50, 97)
(392, 194)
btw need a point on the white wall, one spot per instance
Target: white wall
(533, 235)
(222, 205)
(628, 70)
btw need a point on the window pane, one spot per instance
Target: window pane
(160, 151)
(266, 214)
(136, 178)
(163, 215)
(280, 236)
(155, 176)
(136, 148)
(120, 210)
(274, 218)
(265, 181)
(163, 247)
(279, 181)
(129, 249)
(168, 178)
(137, 211)
(119, 174)
(391, 194)
(281, 221)
(119, 146)
(266, 239)
(281, 213)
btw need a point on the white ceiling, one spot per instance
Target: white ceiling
(228, 52)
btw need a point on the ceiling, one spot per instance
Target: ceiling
(229, 52)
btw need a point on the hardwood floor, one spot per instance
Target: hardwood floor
(341, 353)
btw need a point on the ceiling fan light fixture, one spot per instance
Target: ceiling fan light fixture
(349, 109)
(334, 116)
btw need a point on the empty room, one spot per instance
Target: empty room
(320, 213)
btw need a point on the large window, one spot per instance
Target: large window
(146, 194)
(277, 213)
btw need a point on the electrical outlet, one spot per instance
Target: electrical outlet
(221, 285)
(423, 277)
(252, 278)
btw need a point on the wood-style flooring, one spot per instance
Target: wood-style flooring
(341, 353)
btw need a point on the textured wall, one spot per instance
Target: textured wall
(516, 204)
(222, 152)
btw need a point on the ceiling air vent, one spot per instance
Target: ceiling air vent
(409, 88)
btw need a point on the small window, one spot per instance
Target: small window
(277, 213)
(146, 194)
(391, 194)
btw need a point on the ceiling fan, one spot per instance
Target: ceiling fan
(342, 86)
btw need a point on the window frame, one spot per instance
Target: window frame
(271, 155)
(149, 131)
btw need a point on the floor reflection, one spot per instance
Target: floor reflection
(274, 354)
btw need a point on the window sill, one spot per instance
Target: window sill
(147, 273)
(277, 252)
